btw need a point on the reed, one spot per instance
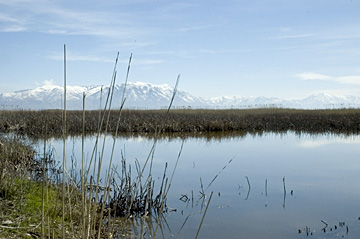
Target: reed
(83, 191)
(174, 93)
(64, 150)
(218, 174)
(44, 185)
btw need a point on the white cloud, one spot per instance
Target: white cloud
(7, 18)
(147, 62)
(294, 36)
(47, 17)
(10, 23)
(70, 56)
(352, 79)
(76, 57)
(13, 29)
(196, 28)
(48, 82)
(349, 79)
(45, 82)
(313, 76)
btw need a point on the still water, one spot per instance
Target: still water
(266, 186)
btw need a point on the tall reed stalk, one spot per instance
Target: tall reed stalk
(44, 184)
(174, 93)
(64, 150)
(83, 190)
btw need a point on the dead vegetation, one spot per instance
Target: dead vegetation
(186, 121)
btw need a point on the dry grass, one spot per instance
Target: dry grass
(250, 120)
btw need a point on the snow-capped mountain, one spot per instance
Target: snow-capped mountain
(317, 101)
(138, 95)
(148, 96)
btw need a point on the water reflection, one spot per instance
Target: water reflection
(264, 185)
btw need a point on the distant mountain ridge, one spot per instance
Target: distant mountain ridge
(141, 95)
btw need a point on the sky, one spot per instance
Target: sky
(272, 48)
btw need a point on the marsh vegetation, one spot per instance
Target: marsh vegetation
(185, 121)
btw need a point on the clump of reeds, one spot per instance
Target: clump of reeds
(16, 158)
(127, 196)
(135, 197)
(64, 205)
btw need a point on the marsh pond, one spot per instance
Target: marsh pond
(266, 185)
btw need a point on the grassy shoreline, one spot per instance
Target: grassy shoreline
(31, 198)
(28, 202)
(49, 122)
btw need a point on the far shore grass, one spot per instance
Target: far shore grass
(49, 122)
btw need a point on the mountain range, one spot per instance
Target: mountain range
(141, 95)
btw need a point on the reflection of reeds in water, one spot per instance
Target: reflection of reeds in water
(202, 219)
(203, 198)
(266, 188)
(284, 192)
(340, 230)
(249, 188)
(266, 191)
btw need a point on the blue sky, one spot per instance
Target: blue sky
(273, 48)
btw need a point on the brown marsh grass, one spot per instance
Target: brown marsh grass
(32, 123)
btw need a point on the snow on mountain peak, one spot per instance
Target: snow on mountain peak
(143, 95)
